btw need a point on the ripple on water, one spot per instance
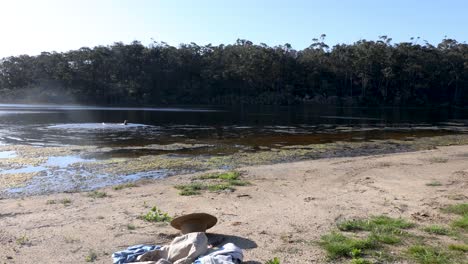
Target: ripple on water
(97, 126)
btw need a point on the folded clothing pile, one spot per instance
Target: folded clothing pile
(186, 249)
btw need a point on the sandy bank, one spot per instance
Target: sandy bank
(287, 208)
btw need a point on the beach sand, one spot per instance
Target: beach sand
(282, 213)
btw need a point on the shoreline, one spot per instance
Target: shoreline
(283, 213)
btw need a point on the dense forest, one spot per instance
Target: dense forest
(363, 73)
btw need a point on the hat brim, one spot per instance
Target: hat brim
(208, 219)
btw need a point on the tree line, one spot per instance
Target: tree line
(368, 73)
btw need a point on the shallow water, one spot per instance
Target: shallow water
(196, 131)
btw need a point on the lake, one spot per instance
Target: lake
(181, 132)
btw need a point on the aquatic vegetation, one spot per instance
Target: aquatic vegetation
(11, 180)
(274, 260)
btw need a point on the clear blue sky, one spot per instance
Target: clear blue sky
(29, 27)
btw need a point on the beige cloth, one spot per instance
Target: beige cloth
(182, 250)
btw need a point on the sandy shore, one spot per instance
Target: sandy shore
(287, 208)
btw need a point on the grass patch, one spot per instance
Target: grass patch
(91, 257)
(65, 201)
(230, 175)
(438, 160)
(434, 183)
(461, 223)
(193, 188)
(459, 247)
(375, 223)
(275, 260)
(429, 255)
(360, 261)
(460, 209)
(97, 194)
(338, 245)
(220, 187)
(51, 202)
(219, 182)
(131, 227)
(22, 240)
(437, 230)
(124, 186)
(156, 215)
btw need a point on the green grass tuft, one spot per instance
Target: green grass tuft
(380, 223)
(190, 189)
(275, 260)
(91, 257)
(459, 247)
(461, 223)
(220, 187)
(338, 245)
(156, 215)
(434, 183)
(97, 194)
(124, 186)
(360, 261)
(437, 230)
(429, 255)
(460, 209)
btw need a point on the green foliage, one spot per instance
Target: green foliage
(218, 182)
(375, 223)
(156, 215)
(91, 257)
(65, 201)
(124, 186)
(190, 189)
(97, 194)
(360, 261)
(338, 245)
(275, 260)
(434, 184)
(437, 230)
(460, 209)
(374, 72)
(429, 255)
(461, 223)
(22, 240)
(459, 247)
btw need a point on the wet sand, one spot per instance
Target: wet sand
(285, 210)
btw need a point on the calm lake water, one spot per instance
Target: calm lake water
(187, 131)
(254, 126)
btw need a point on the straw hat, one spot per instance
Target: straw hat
(197, 222)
